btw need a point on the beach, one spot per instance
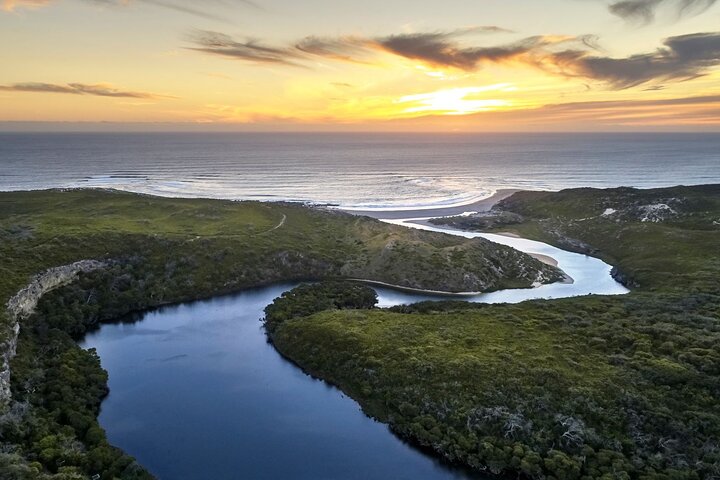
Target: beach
(482, 205)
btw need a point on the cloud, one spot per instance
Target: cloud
(183, 6)
(251, 50)
(669, 111)
(672, 114)
(12, 5)
(681, 58)
(439, 49)
(643, 11)
(620, 104)
(434, 48)
(350, 49)
(443, 50)
(186, 6)
(100, 90)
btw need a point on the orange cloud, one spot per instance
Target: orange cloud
(680, 58)
(12, 5)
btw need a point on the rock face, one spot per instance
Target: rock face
(620, 277)
(22, 304)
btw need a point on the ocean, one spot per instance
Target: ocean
(382, 171)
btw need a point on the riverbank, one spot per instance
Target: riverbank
(244, 407)
(589, 386)
(425, 222)
(159, 251)
(429, 366)
(421, 217)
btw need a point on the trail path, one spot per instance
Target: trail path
(282, 222)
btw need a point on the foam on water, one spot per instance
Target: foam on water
(363, 171)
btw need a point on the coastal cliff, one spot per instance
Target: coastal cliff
(22, 304)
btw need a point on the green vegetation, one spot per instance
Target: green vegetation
(306, 299)
(161, 250)
(580, 388)
(482, 221)
(658, 238)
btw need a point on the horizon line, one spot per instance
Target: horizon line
(41, 126)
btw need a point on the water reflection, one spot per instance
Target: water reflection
(196, 392)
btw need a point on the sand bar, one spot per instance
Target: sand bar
(480, 206)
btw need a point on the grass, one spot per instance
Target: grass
(163, 250)
(578, 388)
(677, 250)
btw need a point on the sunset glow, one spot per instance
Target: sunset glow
(280, 65)
(456, 101)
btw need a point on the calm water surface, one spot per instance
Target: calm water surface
(197, 393)
(589, 275)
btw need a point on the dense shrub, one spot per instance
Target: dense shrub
(306, 299)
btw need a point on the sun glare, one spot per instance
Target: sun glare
(456, 101)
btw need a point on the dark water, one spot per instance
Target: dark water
(197, 393)
(355, 169)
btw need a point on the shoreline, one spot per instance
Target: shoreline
(546, 259)
(482, 205)
(421, 217)
(425, 222)
(417, 290)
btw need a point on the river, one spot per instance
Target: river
(196, 392)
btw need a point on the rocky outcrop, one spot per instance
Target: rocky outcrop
(622, 278)
(22, 304)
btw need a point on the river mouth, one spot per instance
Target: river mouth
(197, 392)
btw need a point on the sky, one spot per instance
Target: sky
(375, 65)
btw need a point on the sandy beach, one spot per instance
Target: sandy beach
(421, 217)
(480, 206)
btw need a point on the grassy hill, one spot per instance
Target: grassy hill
(579, 388)
(658, 237)
(162, 250)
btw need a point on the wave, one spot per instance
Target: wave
(459, 200)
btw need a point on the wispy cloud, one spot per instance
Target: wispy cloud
(207, 9)
(681, 58)
(443, 49)
(439, 49)
(12, 5)
(643, 11)
(251, 50)
(346, 48)
(670, 113)
(100, 90)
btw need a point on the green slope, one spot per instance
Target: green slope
(588, 387)
(162, 250)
